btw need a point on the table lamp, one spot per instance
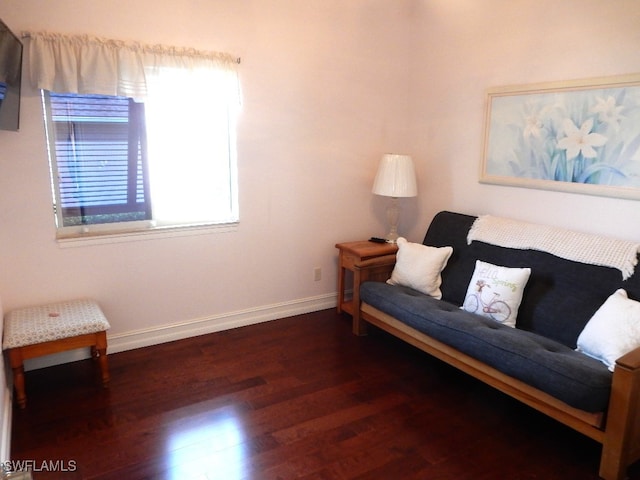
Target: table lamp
(396, 178)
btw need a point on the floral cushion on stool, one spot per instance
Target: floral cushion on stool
(44, 323)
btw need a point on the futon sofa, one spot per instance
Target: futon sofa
(540, 355)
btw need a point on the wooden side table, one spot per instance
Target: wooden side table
(367, 261)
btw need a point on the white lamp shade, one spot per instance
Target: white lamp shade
(396, 177)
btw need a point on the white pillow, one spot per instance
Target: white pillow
(613, 330)
(496, 292)
(419, 266)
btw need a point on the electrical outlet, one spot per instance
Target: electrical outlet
(317, 274)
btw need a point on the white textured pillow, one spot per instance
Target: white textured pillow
(419, 266)
(496, 292)
(613, 330)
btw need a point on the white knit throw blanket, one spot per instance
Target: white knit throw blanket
(570, 245)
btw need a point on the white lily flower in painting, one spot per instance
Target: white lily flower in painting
(607, 110)
(534, 118)
(580, 140)
(533, 126)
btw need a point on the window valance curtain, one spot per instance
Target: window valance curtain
(86, 64)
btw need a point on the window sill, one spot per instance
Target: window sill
(70, 240)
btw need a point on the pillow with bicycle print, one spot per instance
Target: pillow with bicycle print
(496, 292)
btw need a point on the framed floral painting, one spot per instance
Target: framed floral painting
(579, 136)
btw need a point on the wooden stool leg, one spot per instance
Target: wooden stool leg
(100, 352)
(104, 367)
(18, 382)
(15, 359)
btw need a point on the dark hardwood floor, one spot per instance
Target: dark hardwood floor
(294, 398)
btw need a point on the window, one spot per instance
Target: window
(120, 165)
(160, 154)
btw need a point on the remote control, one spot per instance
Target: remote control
(377, 240)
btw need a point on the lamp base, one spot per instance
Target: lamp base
(391, 237)
(393, 215)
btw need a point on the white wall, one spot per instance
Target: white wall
(329, 85)
(463, 47)
(324, 85)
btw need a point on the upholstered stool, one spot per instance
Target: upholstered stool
(42, 330)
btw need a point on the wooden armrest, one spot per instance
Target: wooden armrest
(385, 260)
(620, 446)
(631, 360)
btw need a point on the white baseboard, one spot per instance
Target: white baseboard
(121, 342)
(217, 323)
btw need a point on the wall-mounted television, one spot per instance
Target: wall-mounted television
(10, 78)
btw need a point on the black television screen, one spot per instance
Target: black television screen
(10, 78)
